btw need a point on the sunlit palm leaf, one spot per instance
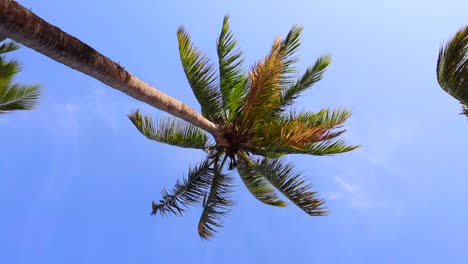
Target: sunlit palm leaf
(452, 67)
(18, 97)
(201, 77)
(8, 46)
(186, 192)
(8, 70)
(216, 206)
(14, 96)
(170, 131)
(309, 78)
(256, 183)
(232, 81)
(291, 184)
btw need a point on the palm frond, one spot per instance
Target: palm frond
(217, 204)
(326, 117)
(289, 46)
(291, 184)
(14, 96)
(18, 97)
(312, 75)
(8, 70)
(276, 135)
(256, 183)
(264, 80)
(8, 46)
(324, 148)
(170, 131)
(452, 67)
(201, 76)
(186, 192)
(301, 133)
(232, 80)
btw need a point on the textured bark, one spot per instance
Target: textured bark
(23, 26)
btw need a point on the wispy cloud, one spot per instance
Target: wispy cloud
(346, 186)
(350, 192)
(70, 108)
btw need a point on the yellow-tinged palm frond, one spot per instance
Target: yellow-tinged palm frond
(233, 83)
(275, 135)
(291, 184)
(264, 94)
(256, 183)
(452, 67)
(201, 75)
(322, 148)
(170, 131)
(217, 204)
(303, 133)
(186, 192)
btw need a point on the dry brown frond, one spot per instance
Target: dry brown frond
(265, 94)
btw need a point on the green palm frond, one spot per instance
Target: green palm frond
(452, 67)
(232, 80)
(186, 192)
(324, 148)
(291, 184)
(170, 131)
(14, 96)
(8, 46)
(289, 46)
(312, 75)
(8, 70)
(329, 118)
(264, 95)
(217, 204)
(256, 183)
(201, 77)
(18, 97)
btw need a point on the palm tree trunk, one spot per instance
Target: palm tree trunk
(23, 26)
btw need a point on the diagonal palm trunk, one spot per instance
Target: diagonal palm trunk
(23, 26)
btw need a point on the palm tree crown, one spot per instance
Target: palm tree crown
(258, 127)
(14, 96)
(452, 68)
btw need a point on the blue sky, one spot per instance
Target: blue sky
(77, 179)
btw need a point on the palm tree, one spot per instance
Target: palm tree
(23, 26)
(452, 68)
(14, 96)
(257, 128)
